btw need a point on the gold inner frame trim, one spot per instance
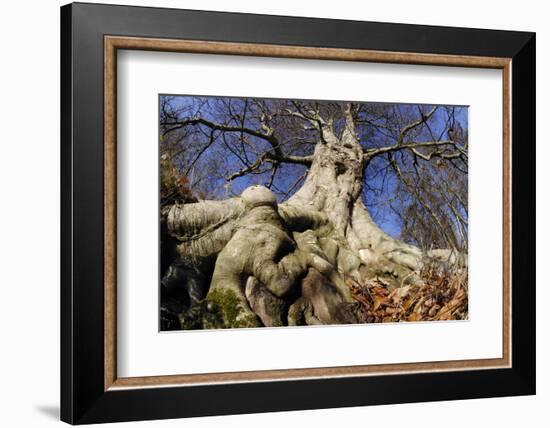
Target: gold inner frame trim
(113, 43)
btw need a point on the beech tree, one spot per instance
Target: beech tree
(286, 197)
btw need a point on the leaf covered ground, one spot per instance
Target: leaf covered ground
(442, 296)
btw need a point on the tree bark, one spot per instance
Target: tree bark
(287, 264)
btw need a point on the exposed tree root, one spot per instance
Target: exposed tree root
(247, 262)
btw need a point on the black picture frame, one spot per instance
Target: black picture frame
(83, 396)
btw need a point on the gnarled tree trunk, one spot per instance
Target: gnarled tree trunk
(287, 264)
(250, 261)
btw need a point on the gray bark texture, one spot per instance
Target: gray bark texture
(276, 264)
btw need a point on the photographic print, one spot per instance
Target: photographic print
(288, 212)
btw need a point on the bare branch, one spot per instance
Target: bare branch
(313, 117)
(274, 160)
(248, 169)
(420, 200)
(370, 153)
(276, 155)
(211, 140)
(215, 126)
(423, 119)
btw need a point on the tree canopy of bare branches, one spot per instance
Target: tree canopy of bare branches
(387, 183)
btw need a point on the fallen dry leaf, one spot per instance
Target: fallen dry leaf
(443, 296)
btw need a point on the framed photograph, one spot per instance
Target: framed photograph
(266, 213)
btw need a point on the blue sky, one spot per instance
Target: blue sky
(376, 201)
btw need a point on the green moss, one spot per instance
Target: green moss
(247, 321)
(227, 303)
(225, 311)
